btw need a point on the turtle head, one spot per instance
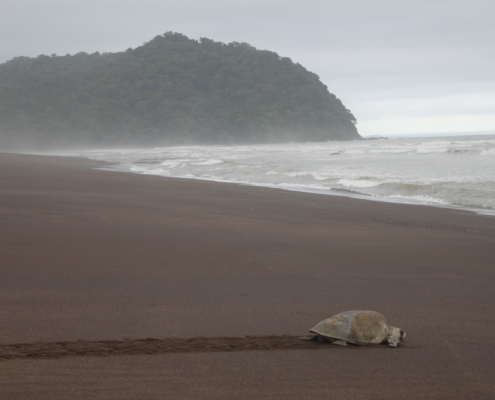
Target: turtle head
(397, 332)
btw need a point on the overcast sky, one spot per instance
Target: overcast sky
(399, 66)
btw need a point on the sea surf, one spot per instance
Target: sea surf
(456, 172)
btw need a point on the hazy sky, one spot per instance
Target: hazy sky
(399, 66)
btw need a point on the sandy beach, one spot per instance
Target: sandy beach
(104, 260)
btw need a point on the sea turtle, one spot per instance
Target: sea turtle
(356, 327)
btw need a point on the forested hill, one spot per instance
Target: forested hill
(171, 90)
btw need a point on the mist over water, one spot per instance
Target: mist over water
(453, 172)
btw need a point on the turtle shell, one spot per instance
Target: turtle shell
(356, 327)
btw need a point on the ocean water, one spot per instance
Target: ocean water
(457, 172)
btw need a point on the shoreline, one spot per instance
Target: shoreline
(118, 167)
(399, 189)
(110, 166)
(331, 192)
(90, 255)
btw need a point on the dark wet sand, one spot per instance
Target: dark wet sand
(105, 260)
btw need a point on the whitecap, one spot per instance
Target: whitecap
(173, 164)
(207, 162)
(157, 171)
(320, 177)
(487, 152)
(432, 150)
(297, 174)
(357, 183)
(421, 199)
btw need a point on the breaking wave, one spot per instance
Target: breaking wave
(447, 172)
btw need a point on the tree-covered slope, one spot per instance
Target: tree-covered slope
(171, 90)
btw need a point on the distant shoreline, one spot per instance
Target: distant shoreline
(434, 134)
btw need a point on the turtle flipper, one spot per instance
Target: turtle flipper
(339, 342)
(308, 337)
(393, 340)
(319, 338)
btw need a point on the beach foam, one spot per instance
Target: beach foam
(456, 172)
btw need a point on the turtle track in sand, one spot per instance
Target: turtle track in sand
(105, 348)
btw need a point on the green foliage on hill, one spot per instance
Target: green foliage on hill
(171, 90)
